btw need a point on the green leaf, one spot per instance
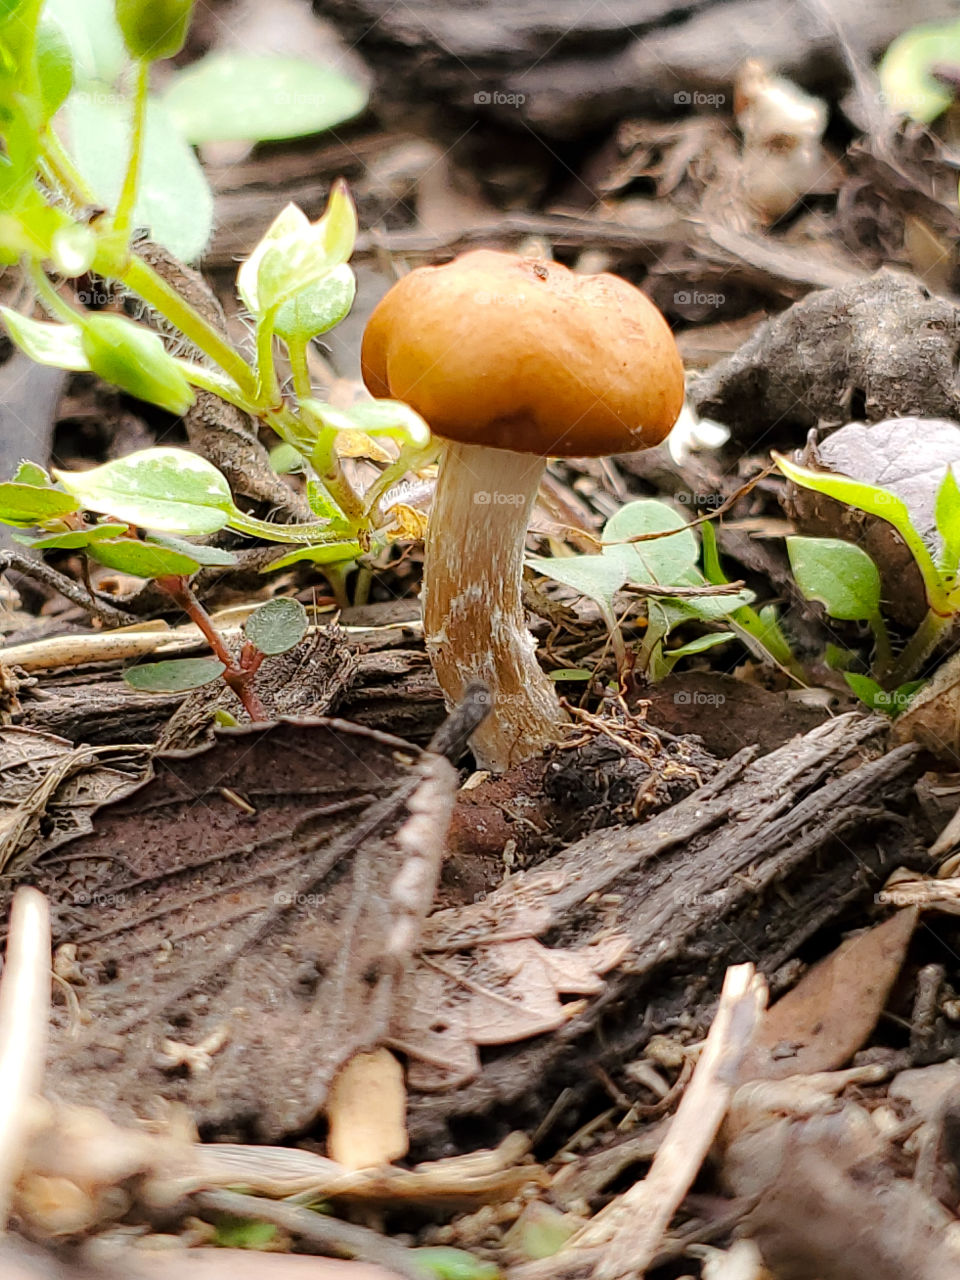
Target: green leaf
(178, 675)
(286, 460)
(840, 575)
(317, 308)
(54, 65)
(375, 418)
(329, 553)
(90, 27)
(876, 502)
(171, 490)
(947, 516)
(204, 555)
(73, 540)
(663, 560)
(323, 506)
(31, 473)
(277, 626)
(290, 221)
(23, 505)
(241, 1233)
(134, 359)
(905, 70)
(143, 559)
(598, 577)
(699, 644)
(153, 29)
(877, 698)
(255, 98)
(59, 345)
(571, 673)
(173, 197)
(294, 261)
(444, 1263)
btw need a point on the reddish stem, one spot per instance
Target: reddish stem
(238, 676)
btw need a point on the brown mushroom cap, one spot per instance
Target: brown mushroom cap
(522, 354)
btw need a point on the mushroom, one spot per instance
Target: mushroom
(510, 361)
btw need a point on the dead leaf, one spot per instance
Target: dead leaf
(494, 994)
(824, 1020)
(366, 1111)
(274, 935)
(50, 790)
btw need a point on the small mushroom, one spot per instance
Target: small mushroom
(511, 360)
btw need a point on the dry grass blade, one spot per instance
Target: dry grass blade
(24, 1010)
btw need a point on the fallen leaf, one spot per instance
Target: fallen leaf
(821, 1023)
(496, 993)
(254, 905)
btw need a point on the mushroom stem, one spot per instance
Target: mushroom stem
(473, 616)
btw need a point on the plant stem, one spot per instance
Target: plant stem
(882, 639)
(234, 675)
(268, 388)
(297, 355)
(66, 174)
(55, 305)
(920, 646)
(123, 216)
(142, 280)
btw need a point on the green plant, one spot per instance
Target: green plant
(296, 284)
(648, 548)
(843, 578)
(173, 494)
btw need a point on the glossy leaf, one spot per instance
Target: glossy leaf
(840, 575)
(329, 553)
(876, 502)
(178, 675)
(277, 626)
(59, 345)
(252, 97)
(143, 559)
(877, 698)
(23, 505)
(171, 490)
